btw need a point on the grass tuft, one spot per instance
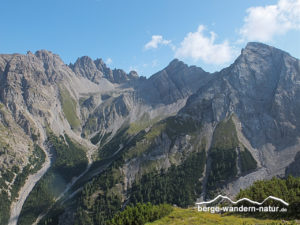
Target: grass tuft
(69, 106)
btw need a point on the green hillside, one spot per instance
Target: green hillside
(190, 216)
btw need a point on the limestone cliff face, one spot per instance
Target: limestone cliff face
(253, 106)
(39, 91)
(159, 96)
(262, 89)
(259, 91)
(175, 82)
(28, 93)
(97, 69)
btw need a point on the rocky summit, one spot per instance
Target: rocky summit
(79, 142)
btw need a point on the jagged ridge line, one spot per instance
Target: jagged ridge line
(242, 199)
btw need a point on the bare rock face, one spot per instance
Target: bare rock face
(38, 91)
(95, 70)
(175, 82)
(177, 110)
(262, 89)
(294, 167)
(28, 96)
(86, 67)
(159, 96)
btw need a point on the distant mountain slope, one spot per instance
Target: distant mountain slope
(179, 135)
(175, 82)
(261, 88)
(39, 93)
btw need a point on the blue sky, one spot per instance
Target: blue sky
(146, 35)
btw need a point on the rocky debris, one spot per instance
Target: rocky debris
(243, 182)
(294, 167)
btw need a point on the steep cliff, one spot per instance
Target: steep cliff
(110, 138)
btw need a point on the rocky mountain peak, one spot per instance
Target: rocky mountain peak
(85, 61)
(261, 47)
(260, 88)
(97, 69)
(253, 104)
(85, 67)
(39, 68)
(133, 74)
(259, 67)
(120, 76)
(48, 57)
(174, 62)
(176, 81)
(100, 65)
(257, 45)
(259, 51)
(174, 65)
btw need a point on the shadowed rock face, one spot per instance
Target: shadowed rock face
(294, 167)
(175, 82)
(136, 96)
(262, 88)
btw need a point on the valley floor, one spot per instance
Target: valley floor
(32, 179)
(181, 216)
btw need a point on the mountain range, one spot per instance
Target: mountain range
(79, 142)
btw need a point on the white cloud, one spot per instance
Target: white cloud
(108, 61)
(198, 46)
(156, 41)
(263, 23)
